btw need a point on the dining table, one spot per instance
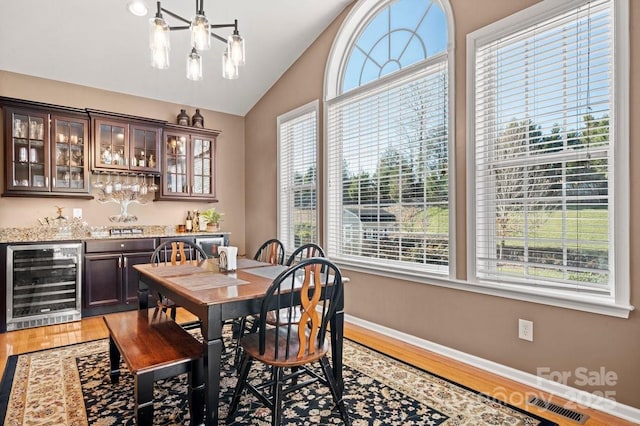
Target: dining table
(216, 296)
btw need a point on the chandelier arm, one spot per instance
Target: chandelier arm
(217, 37)
(222, 25)
(186, 27)
(178, 17)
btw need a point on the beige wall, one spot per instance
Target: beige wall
(24, 212)
(481, 325)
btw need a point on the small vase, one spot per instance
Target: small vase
(213, 227)
(197, 120)
(183, 118)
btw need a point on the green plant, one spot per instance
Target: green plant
(211, 215)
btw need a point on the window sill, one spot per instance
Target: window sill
(581, 302)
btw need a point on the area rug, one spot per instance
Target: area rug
(70, 386)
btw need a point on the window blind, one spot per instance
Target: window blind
(387, 171)
(298, 176)
(544, 152)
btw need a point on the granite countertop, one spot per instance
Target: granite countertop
(75, 229)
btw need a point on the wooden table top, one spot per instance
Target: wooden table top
(204, 283)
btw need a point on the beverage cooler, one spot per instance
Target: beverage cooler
(43, 284)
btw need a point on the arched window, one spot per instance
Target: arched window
(400, 35)
(388, 134)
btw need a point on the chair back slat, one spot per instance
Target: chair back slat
(309, 318)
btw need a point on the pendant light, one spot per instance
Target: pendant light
(229, 70)
(159, 41)
(235, 47)
(200, 30)
(194, 65)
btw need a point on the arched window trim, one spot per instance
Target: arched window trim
(358, 18)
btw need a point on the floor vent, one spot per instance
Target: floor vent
(577, 417)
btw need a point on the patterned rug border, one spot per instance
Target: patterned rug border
(10, 369)
(8, 376)
(5, 384)
(543, 421)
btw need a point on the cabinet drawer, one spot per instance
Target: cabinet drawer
(123, 245)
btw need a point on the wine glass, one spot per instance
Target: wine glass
(144, 189)
(99, 184)
(108, 187)
(153, 187)
(117, 185)
(135, 186)
(126, 185)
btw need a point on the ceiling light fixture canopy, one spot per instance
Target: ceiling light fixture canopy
(201, 35)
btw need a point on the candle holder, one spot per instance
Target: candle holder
(124, 189)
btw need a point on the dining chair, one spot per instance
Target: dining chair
(174, 252)
(271, 251)
(290, 348)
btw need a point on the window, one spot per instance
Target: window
(548, 145)
(388, 138)
(297, 174)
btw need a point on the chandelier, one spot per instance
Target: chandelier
(201, 35)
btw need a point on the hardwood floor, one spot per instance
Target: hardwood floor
(35, 339)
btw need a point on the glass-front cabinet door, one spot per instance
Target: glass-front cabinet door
(176, 179)
(202, 160)
(69, 149)
(143, 154)
(188, 171)
(111, 151)
(27, 150)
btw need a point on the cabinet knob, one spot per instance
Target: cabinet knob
(122, 245)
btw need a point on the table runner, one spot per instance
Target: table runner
(169, 270)
(207, 281)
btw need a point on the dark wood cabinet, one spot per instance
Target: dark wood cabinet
(125, 143)
(46, 150)
(188, 164)
(110, 282)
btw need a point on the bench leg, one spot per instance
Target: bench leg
(196, 392)
(144, 398)
(114, 361)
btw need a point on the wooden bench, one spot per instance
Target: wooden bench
(154, 347)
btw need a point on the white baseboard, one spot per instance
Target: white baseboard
(579, 397)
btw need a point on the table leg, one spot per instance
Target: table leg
(143, 295)
(196, 393)
(212, 367)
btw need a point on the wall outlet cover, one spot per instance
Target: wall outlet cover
(525, 330)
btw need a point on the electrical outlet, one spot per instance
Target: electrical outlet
(525, 330)
(77, 213)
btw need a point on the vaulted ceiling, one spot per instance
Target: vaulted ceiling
(98, 43)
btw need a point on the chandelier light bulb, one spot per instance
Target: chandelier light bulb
(229, 70)
(158, 33)
(235, 45)
(160, 58)
(200, 29)
(194, 65)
